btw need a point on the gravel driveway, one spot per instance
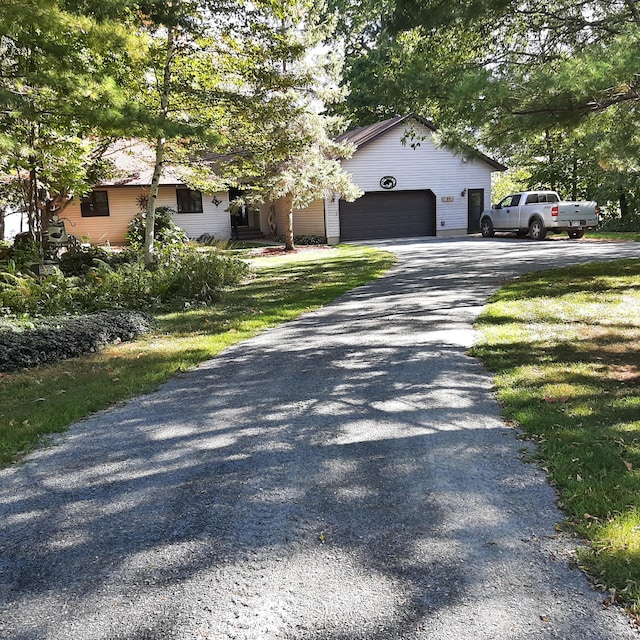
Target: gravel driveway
(346, 475)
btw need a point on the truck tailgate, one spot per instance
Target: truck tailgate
(577, 213)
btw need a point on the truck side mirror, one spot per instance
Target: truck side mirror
(496, 206)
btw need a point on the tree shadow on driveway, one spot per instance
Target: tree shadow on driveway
(346, 475)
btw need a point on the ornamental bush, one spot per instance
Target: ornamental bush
(65, 337)
(167, 234)
(79, 260)
(189, 277)
(630, 223)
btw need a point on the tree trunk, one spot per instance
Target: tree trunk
(3, 213)
(149, 235)
(624, 205)
(288, 237)
(550, 152)
(574, 178)
(149, 230)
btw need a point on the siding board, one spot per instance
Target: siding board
(424, 166)
(123, 207)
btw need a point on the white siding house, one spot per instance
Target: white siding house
(123, 205)
(412, 186)
(104, 214)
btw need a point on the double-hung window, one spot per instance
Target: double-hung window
(189, 201)
(94, 204)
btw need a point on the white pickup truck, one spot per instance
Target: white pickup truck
(537, 213)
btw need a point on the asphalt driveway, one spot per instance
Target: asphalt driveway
(346, 475)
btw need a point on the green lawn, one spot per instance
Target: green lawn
(48, 399)
(565, 347)
(614, 235)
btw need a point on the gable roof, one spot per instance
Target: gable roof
(360, 136)
(133, 163)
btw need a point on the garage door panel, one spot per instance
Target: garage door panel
(388, 215)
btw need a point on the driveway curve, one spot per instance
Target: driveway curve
(344, 476)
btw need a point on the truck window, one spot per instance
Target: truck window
(533, 198)
(552, 197)
(510, 201)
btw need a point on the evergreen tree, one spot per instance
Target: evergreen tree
(58, 72)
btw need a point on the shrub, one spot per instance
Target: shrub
(166, 232)
(630, 223)
(21, 255)
(66, 337)
(28, 294)
(78, 260)
(304, 240)
(189, 277)
(201, 277)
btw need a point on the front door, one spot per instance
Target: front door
(238, 208)
(475, 207)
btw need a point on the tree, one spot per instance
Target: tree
(58, 69)
(212, 64)
(305, 171)
(288, 151)
(508, 75)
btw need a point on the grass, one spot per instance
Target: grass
(633, 236)
(565, 347)
(48, 399)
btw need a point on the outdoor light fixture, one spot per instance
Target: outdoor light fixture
(216, 201)
(463, 193)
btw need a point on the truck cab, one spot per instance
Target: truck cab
(538, 212)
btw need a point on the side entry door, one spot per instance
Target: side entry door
(475, 207)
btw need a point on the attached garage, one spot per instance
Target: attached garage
(388, 215)
(412, 186)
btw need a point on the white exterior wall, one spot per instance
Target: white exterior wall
(102, 229)
(309, 221)
(425, 167)
(123, 207)
(213, 220)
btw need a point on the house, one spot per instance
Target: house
(104, 214)
(412, 187)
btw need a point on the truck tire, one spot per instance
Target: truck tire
(576, 234)
(537, 230)
(486, 228)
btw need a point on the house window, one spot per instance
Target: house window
(94, 204)
(189, 201)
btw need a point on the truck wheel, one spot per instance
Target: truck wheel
(486, 228)
(537, 230)
(577, 234)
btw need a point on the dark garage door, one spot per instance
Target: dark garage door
(388, 215)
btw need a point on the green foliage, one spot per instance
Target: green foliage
(167, 234)
(184, 278)
(22, 255)
(548, 86)
(79, 260)
(61, 73)
(304, 240)
(202, 276)
(630, 223)
(41, 297)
